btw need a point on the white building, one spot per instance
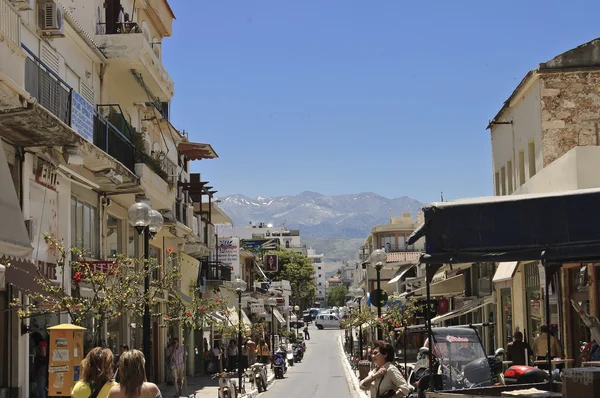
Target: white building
(317, 261)
(289, 239)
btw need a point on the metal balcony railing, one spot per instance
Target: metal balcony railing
(108, 138)
(52, 92)
(10, 22)
(214, 271)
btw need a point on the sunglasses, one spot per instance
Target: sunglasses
(375, 352)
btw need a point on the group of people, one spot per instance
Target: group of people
(98, 376)
(227, 357)
(520, 353)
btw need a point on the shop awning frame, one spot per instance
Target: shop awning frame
(401, 272)
(454, 286)
(505, 272)
(470, 307)
(197, 150)
(278, 316)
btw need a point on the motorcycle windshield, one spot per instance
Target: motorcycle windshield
(463, 362)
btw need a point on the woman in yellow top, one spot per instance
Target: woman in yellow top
(263, 352)
(97, 373)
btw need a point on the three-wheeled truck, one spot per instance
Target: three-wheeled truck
(554, 228)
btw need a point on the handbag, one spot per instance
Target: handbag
(387, 394)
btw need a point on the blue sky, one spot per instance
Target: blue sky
(341, 96)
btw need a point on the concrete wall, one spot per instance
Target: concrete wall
(510, 140)
(569, 101)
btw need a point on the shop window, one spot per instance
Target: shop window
(533, 300)
(506, 304)
(84, 227)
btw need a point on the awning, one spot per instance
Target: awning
(185, 297)
(278, 316)
(234, 318)
(472, 306)
(197, 150)
(400, 273)
(22, 274)
(14, 239)
(454, 286)
(505, 271)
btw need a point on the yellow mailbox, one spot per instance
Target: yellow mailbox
(65, 354)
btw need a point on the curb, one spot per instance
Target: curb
(253, 393)
(353, 384)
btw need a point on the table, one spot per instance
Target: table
(559, 361)
(590, 363)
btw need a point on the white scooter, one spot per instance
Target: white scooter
(259, 376)
(227, 384)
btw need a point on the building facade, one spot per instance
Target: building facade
(320, 275)
(86, 132)
(545, 139)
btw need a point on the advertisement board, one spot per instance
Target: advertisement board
(229, 254)
(64, 355)
(271, 263)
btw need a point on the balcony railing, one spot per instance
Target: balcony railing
(117, 28)
(108, 138)
(52, 92)
(214, 271)
(403, 248)
(10, 22)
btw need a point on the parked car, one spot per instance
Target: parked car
(324, 321)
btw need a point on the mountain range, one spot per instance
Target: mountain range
(336, 217)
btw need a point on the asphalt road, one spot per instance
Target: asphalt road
(319, 375)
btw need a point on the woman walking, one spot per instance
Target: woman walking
(132, 368)
(385, 381)
(97, 373)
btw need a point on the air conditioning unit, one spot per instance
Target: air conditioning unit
(23, 5)
(51, 19)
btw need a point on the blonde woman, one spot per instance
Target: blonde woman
(132, 371)
(96, 375)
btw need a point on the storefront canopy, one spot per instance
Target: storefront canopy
(470, 307)
(400, 273)
(555, 227)
(450, 287)
(505, 271)
(278, 316)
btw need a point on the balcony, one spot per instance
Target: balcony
(392, 248)
(11, 55)
(112, 141)
(129, 52)
(214, 271)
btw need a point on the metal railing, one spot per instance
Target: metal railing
(10, 22)
(117, 28)
(214, 271)
(108, 138)
(52, 92)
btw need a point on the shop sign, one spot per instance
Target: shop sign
(256, 308)
(46, 175)
(229, 254)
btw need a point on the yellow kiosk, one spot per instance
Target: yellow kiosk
(65, 354)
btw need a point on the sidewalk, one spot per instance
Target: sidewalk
(206, 387)
(351, 374)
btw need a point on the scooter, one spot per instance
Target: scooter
(227, 384)
(520, 374)
(279, 365)
(259, 372)
(298, 353)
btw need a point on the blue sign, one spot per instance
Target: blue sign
(82, 117)
(76, 373)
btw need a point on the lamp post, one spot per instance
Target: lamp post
(359, 293)
(240, 286)
(351, 304)
(149, 222)
(272, 302)
(377, 260)
(297, 309)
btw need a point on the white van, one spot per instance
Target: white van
(324, 321)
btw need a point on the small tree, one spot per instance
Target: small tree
(337, 296)
(102, 293)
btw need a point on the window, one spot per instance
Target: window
(521, 167)
(319, 268)
(531, 150)
(509, 168)
(84, 227)
(388, 242)
(503, 180)
(113, 235)
(497, 180)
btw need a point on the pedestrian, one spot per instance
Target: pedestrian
(306, 334)
(518, 351)
(244, 364)
(40, 364)
(122, 349)
(97, 373)
(132, 368)
(177, 366)
(385, 381)
(263, 352)
(232, 353)
(217, 357)
(251, 346)
(168, 354)
(540, 346)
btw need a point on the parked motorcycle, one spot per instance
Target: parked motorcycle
(227, 384)
(259, 372)
(520, 374)
(279, 365)
(298, 355)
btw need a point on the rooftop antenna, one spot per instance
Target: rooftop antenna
(442, 196)
(390, 215)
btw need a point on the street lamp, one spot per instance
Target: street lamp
(272, 302)
(359, 293)
(378, 259)
(149, 222)
(297, 309)
(240, 286)
(351, 305)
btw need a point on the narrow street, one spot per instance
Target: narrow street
(320, 374)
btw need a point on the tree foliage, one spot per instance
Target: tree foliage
(299, 271)
(336, 296)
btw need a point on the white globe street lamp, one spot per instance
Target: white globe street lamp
(240, 286)
(156, 223)
(139, 216)
(378, 259)
(359, 293)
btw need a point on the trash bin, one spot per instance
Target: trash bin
(364, 367)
